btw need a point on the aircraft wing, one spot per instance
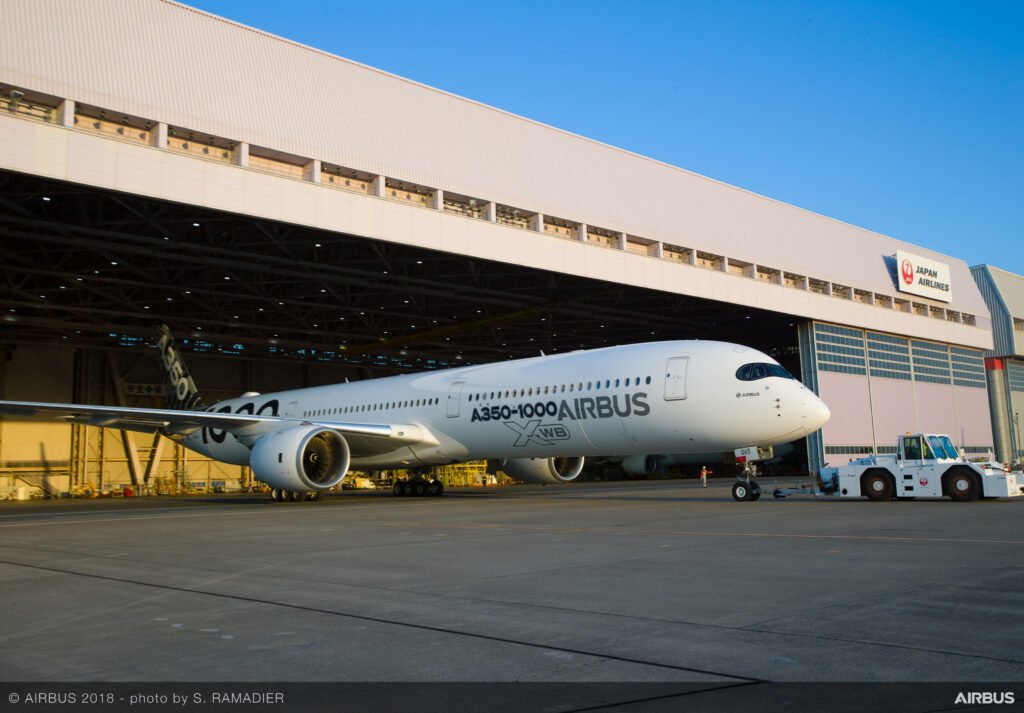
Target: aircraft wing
(365, 439)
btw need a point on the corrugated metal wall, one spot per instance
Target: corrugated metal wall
(165, 61)
(1002, 320)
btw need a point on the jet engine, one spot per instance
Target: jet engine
(542, 470)
(639, 466)
(301, 459)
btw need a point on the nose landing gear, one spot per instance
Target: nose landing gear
(746, 488)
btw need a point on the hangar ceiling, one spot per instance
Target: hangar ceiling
(96, 268)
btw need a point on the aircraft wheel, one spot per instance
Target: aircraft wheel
(741, 491)
(408, 488)
(421, 488)
(398, 489)
(275, 495)
(296, 497)
(755, 494)
(313, 496)
(436, 488)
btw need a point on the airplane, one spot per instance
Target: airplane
(538, 417)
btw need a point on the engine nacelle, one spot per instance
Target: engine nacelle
(641, 465)
(301, 459)
(543, 470)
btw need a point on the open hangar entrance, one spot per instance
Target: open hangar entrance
(88, 273)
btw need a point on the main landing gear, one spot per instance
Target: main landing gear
(420, 487)
(293, 496)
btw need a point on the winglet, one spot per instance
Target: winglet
(179, 389)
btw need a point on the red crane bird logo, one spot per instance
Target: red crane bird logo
(907, 270)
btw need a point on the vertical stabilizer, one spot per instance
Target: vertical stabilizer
(180, 390)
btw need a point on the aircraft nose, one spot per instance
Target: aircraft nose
(818, 414)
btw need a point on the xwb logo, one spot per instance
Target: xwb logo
(541, 434)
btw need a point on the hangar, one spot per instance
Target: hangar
(298, 218)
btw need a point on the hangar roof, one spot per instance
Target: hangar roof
(164, 60)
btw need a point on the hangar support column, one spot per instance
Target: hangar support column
(66, 113)
(999, 408)
(312, 171)
(809, 376)
(160, 135)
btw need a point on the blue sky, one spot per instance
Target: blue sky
(906, 118)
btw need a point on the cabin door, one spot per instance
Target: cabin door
(454, 398)
(675, 378)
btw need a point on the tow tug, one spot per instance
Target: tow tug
(924, 465)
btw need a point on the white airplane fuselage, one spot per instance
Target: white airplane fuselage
(658, 397)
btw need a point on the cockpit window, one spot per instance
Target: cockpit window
(753, 372)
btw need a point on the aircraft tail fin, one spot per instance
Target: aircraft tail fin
(180, 390)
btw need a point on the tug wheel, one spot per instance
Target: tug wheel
(963, 485)
(878, 486)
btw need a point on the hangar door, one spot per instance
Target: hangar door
(675, 378)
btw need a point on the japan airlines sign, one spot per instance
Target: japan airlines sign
(923, 277)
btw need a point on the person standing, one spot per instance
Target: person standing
(703, 476)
